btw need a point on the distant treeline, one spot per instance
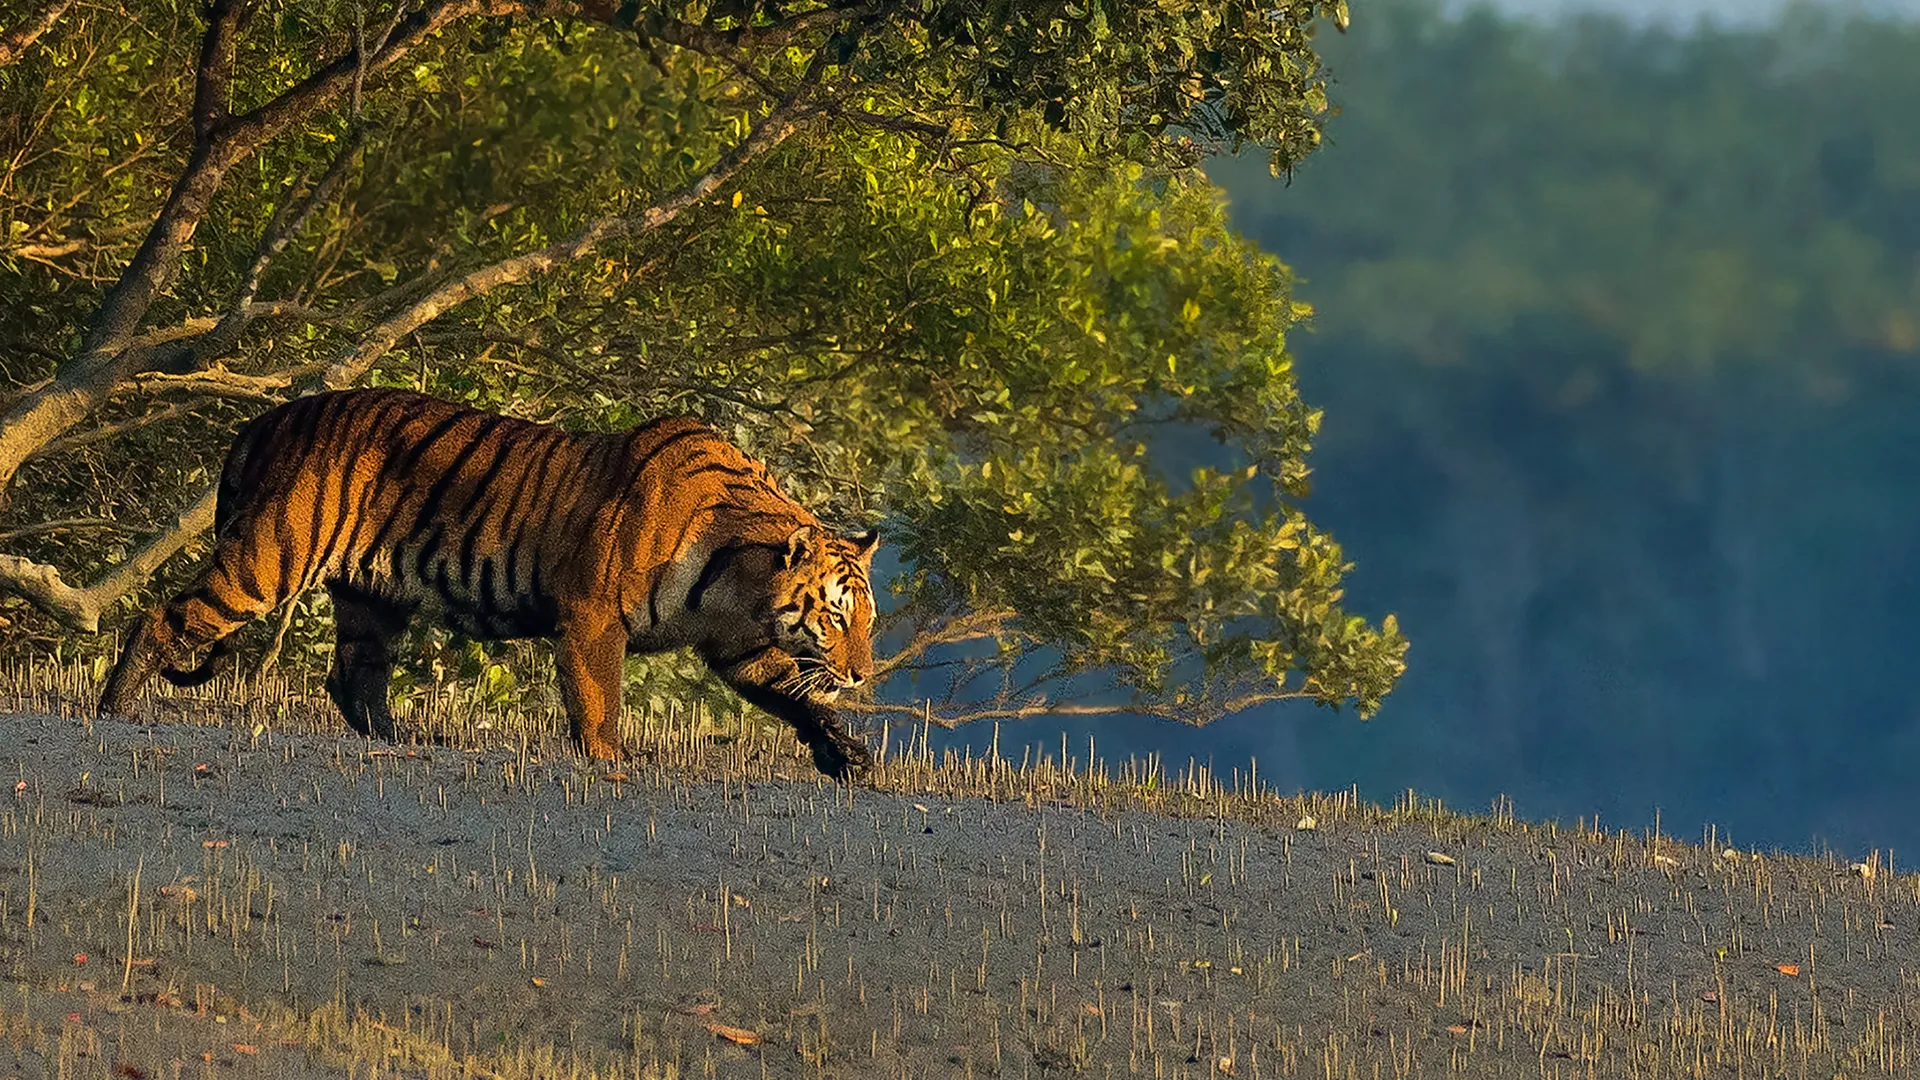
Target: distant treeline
(1619, 347)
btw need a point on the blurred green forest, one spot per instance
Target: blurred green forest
(1618, 340)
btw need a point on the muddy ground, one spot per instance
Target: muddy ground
(180, 900)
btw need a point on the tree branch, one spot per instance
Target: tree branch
(18, 40)
(220, 383)
(769, 133)
(69, 443)
(61, 525)
(80, 608)
(288, 220)
(221, 141)
(972, 626)
(1034, 707)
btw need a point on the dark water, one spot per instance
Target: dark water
(1736, 650)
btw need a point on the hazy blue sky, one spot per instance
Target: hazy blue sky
(1686, 11)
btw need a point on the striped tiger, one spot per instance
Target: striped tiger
(401, 504)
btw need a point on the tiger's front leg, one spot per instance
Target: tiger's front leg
(589, 654)
(760, 679)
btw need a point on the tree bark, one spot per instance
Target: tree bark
(21, 38)
(80, 608)
(221, 141)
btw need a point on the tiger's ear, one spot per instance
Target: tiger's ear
(864, 544)
(801, 544)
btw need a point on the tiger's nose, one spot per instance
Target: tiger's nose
(855, 678)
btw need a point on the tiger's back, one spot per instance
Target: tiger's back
(488, 522)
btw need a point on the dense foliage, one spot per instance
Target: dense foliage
(1620, 350)
(945, 265)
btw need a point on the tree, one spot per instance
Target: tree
(901, 250)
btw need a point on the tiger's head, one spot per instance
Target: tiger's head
(823, 609)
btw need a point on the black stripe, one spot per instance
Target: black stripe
(717, 563)
(444, 587)
(404, 464)
(484, 489)
(400, 467)
(444, 483)
(717, 467)
(542, 605)
(324, 425)
(219, 605)
(640, 471)
(512, 519)
(375, 425)
(283, 533)
(487, 606)
(730, 662)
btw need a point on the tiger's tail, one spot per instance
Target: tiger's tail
(209, 669)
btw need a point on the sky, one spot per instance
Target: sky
(1685, 12)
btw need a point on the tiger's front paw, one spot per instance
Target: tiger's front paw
(840, 756)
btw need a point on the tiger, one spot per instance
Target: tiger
(666, 536)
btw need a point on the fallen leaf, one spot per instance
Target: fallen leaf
(182, 893)
(1091, 1008)
(700, 1008)
(618, 777)
(1865, 870)
(1306, 823)
(538, 981)
(1787, 969)
(1709, 996)
(79, 958)
(245, 1048)
(734, 1034)
(1440, 858)
(1457, 1029)
(213, 843)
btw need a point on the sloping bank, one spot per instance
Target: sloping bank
(261, 903)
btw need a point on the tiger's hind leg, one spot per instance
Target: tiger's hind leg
(141, 656)
(365, 631)
(163, 638)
